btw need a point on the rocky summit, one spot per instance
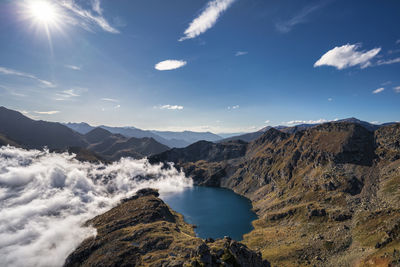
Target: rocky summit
(144, 231)
(326, 196)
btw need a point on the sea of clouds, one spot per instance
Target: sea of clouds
(46, 197)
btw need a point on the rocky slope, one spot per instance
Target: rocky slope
(325, 196)
(144, 231)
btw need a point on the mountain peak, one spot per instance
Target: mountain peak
(97, 135)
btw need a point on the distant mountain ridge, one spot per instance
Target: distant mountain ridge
(21, 131)
(248, 137)
(168, 138)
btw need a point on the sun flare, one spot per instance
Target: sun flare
(43, 12)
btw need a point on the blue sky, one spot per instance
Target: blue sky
(220, 65)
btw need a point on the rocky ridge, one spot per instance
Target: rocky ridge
(325, 196)
(144, 231)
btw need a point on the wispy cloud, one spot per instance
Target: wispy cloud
(109, 99)
(347, 56)
(388, 61)
(396, 89)
(294, 122)
(96, 7)
(330, 99)
(398, 41)
(171, 107)
(207, 18)
(7, 71)
(267, 121)
(170, 64)
(51, 112)
(234, 107)
(69, 94)
(73, 67)
(379, 90)
(301, 17)
(12, 91)
(85, 18)
(241, 53)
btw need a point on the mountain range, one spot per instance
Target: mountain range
(19, 130)
(325, 194)
(168, 138)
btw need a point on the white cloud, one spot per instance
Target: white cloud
(267, 121)
(306, 121)
(170, 64)
(171, 107)
(330, 99)
(207, 18)
(96, 7)
(7, 71)
(66, 94)
(109, 100)
(388, 61)
(398, 41)
(85, 18)
(73, 67)
(117, 106)
(347, 56)
(396, 89)
(51, 112)
(234, 107)
(287, 26)
(47, 197)
(241, 53)
(379, 90)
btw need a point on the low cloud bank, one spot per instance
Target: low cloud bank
(46, 197)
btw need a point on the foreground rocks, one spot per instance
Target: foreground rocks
(144, 231)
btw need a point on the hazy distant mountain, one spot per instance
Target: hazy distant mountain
(168, 138)
(189, 136)
(248, 137)
(82, 128)
(227, 135)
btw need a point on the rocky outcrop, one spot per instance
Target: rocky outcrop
(144, 231)
(326, 196)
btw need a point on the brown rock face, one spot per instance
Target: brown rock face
(325, 196)
(144, 231)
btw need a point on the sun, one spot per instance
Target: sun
(43, 12)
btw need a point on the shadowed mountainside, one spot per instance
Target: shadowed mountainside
(37, 134)
(114, 146)
(326, 196)
(98, 144)
(144, 231)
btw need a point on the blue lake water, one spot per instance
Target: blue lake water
(216, 212)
